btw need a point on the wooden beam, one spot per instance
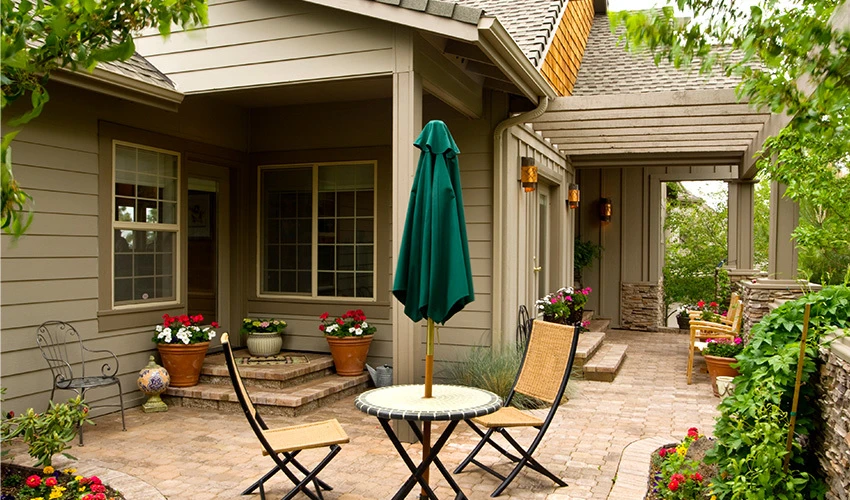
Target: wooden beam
(664, 148)
(675, 99)
(652, 112)
(770, 128)
(569, 138)
(605, 123)
(575, 131)
(628, 146)
(653, 160)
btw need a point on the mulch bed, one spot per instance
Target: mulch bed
(696, 451)
(16, 489)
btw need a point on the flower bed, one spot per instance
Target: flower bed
(678, 471)
(29, 483)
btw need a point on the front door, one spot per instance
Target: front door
(209, 245)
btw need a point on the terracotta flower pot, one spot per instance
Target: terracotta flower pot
(717, 367)
(349, 354)
(183, 362)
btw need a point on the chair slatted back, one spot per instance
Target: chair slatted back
(547, 359)
(238, 385)
(57, 341)
(736, 311)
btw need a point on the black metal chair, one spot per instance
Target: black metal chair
(523, 326)
(543, 374)
(58, 341)
(284, 443)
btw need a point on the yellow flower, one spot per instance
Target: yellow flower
(77, 478)
(69, 470)
(256, 323)
(713, 497)
(55, 494)
(49, 470)
(38, 498)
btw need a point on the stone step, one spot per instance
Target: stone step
(587, 315)
(599, 325)
(605, 364)
(588, 344)
(275, 376)
(290, 401)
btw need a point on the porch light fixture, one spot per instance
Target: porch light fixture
(529, 174)
(605, 209)
(573, 195)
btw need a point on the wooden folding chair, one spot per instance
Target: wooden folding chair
(283, 444)
(729, 327)
(543, 374)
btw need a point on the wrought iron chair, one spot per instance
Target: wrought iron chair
(59, 341)
(284, 443)
(543, 374)
(523, 326)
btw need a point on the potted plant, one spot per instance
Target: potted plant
(182, 342)
(349, 337)
(709, 311)
(683, 317)
(263, 335)
(584, 253)
(719, 356)
(566, 306)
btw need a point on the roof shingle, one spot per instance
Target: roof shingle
(138, 68)
(609, 69)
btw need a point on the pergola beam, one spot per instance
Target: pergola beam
(571, 138)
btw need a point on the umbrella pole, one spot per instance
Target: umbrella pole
(429, 382)
(800, 362)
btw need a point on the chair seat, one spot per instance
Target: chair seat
(508, 416)
(86, 382)
(306, 436)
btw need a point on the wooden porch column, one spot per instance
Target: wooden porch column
(407, 123)
(740, 224)
(782, 253)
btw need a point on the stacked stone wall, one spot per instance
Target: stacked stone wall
(642, 306)
(757, 298)
(832, 441)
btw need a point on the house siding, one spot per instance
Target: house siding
(60, 268)
(251, 43)
(563, 59)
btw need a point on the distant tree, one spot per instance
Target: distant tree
(39, 37)
(696, 245)
(761, 224)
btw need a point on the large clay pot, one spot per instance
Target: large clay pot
(183, 362)
(717, 367)
(349, 354)
(264, 344)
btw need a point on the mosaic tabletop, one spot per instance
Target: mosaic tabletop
(408, 402)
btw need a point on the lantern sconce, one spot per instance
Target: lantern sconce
(529, 174)
(573, 196)
(605, 209)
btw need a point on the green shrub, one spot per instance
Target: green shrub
(493, 370)
(753, 425)
(48, 433)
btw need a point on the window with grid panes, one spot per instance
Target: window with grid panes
(326, 211)
(145, 225)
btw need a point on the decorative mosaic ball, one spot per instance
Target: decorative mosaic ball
(153, 379)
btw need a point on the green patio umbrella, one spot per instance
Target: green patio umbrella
(433, 275)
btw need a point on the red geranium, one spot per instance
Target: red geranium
(697, 477)
(34, 481)
(50, 482)
(673, 486)
(662, 452)
(693, 432)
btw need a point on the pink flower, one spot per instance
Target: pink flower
(33, 481)
(585, 324)
(697, 477)
(264, 324)
(738, 340)
(324, 316)
(100, 496)
(50, 482)
(95, 480)
(214, 324)
(569, 298)
(553, 300)
(662, 452)
(98, 488)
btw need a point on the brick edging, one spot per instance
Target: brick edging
(631, 480)
(131, 487)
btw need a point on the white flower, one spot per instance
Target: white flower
(356, 331)
(331, 328)
(159, 328)
(351, 329)
(212, 334)
(364, 325)
(540, 307)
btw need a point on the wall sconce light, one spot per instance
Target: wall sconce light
(529, 174)
(605, 209)
(573, 195)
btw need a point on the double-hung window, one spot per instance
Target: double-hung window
(317, 230)
(145, 224)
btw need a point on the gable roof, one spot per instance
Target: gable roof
(609, 69)
(139, 68)
(531, 23)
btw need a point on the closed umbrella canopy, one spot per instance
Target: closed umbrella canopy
(433, 275)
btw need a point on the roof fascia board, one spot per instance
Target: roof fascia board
(415, 19)
(498, 44)
(106, 82)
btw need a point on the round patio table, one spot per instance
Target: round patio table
(451, 403)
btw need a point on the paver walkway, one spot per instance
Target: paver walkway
(199, 454)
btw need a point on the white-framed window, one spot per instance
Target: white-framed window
(317, 230)
(145, 223)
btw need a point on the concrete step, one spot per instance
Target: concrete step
(588, 344)
(275, 376)
(599, 325)
(587, 315)
(289, 401)
(605, 364)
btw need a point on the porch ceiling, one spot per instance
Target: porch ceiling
(687, 127)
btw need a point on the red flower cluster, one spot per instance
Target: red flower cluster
(693, 432)
(351, 323)
(185, 320)
(34, 481)
(711, 304)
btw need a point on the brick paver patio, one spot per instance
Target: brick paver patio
(192, 454)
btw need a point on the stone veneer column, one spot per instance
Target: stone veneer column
(759, 293)
(832, 445)
(642, 306)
